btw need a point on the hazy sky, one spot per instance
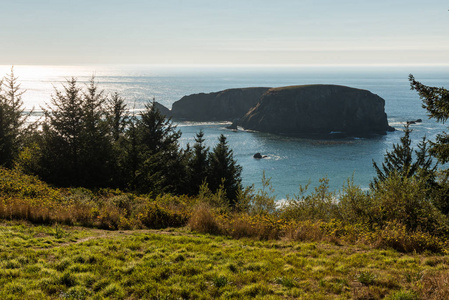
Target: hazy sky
(224, 32)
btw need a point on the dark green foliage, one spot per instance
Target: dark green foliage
(117, 116)
(159, 165)
(62, 136)
(405, 200)
(436, 101)
(223, 169)
(12, 119)
(197, 165)
(406, 162)
(75, 149)
(155, 216)
(96, 151)
(119, 120)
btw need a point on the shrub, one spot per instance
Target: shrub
(396, 236)
(156, 216)
(260, 203)
(353, 204)
(404, 200)
(215, 200)
(261, 227)
(319, 205)
(203, 220)
(305, 231)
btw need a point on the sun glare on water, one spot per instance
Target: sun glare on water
(39, 81)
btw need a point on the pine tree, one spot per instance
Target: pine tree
(160, 166)
(62, 130)
(406, 162)
(436, 102)
(223, 169)
(75, 149)
(198, 164)
(118, 116)
(12, 119)
(96, 146)
(119, 121)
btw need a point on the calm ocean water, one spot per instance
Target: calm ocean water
(291, 161)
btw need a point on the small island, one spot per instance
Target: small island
(226, 105)
(303, 110)
(309, 110)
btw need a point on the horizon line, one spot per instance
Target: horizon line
(226, 65)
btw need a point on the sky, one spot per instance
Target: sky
(224, 32)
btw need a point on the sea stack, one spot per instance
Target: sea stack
(226, 105)
(308, 110)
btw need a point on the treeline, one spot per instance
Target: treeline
(89, 139)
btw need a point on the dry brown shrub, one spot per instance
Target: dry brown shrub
(15, 208)
(203, 220)
(305, 231)
(396, 236)
(435, 286)
(260, 227)
(241, 228)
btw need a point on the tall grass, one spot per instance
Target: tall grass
(398, 215)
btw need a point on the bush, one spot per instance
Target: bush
(305, 231)
(262, 227)
(397, 237)
(321, 204)
(354, 205)
(261, 203)
(156, 216)
(204, 221)
(405, 200)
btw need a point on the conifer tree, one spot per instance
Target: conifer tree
(119, 121)
(62, 130)
(76, 150)
(406, 162)
(118, 115)
(223, 169)
(160, 166)
(12, 119)
(436, 102)
(96, 147)
(198, 164)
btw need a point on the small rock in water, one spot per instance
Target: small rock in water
(257, 155)
(414, 121)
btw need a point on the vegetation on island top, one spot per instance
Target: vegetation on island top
(92, 163)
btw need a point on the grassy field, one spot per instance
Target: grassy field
(54, 262)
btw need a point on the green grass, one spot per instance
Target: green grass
(54, 262)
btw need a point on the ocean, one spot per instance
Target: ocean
(291, 161)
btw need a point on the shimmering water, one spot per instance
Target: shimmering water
(291, 161)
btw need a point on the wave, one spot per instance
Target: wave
(195, 123)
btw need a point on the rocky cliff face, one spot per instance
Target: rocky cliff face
(163, 110)
(225, 105)
(317, 109)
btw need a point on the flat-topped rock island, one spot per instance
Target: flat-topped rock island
(303, 110)
(316, 110)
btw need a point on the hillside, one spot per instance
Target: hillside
(43, 262)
